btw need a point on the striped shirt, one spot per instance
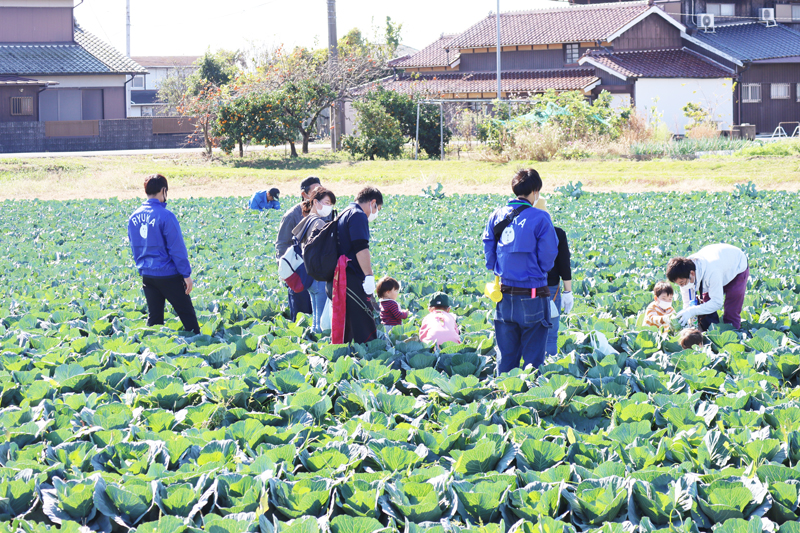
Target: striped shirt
(391, 315)
(655, 316)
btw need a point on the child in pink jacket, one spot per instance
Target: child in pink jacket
(440, 324)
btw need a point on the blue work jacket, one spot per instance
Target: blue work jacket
(526, 251)
(157, 242)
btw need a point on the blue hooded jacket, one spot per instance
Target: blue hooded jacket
(527, 250)
(157, 242)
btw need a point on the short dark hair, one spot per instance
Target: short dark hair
(662, 287)
(385, 285)
(308, 182)
(525, 182)
(679, 268)
(319, 194)
(154, 183)
(367, 194)
(691, 337)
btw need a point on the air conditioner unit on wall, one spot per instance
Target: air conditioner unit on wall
(705, 21)
(767, 14)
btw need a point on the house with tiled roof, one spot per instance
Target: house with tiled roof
(634, 50)
(144, 87)
(78, 76)
(759, 40)
(767, 61)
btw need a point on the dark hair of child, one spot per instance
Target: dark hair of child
(662, 287)
(385, 285)
(691, 337)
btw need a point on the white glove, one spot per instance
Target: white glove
(567, 301)
(685, 315)
(369, 285)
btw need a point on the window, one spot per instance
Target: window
(21, 105)
(798, 92)
(573, 53)
(721, 10)
(796, 12)
(138, 82)
(779, 91)
(751, 92)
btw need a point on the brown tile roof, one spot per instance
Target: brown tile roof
(550, 26)
(674, 63)
(433, 55)
(519, 81)
(165, 61)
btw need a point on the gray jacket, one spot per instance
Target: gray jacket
(290, 220)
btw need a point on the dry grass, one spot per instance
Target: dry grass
(704, 130)
(190, 175)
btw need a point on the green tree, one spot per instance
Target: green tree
(378, 134)
(255, 117)
(303, 101)
(217, 69)
(392, 35)
(403, 107)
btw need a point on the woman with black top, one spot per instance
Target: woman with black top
(561, 272)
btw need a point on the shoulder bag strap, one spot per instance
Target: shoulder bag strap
(501, 226)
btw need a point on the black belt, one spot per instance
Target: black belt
(541, 292)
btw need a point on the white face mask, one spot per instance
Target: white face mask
(372, 216)
(664, 305)
(324, 210)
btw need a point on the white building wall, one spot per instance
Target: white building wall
(667, 96)
(85, 82)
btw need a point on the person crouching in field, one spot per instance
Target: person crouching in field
(161, 257)
(440, 324)
(718, 273)
(388, 291)
(660, 312)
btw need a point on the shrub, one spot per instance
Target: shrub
(404, 108)
(531, 142)
(779, 149)
(701, 125)
(378, 133)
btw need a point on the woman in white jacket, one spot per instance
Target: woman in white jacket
(719, 274)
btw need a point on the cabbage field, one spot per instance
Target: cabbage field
(257, 426)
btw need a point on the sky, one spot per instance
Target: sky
(190, 27)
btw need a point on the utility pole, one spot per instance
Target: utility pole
(499, 48)
(128, 53)
(333, 57)
(128, 28)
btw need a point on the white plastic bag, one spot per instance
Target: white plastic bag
(600, 343)
(554, 314)
(325, 320)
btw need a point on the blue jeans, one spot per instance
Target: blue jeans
(299, 302)
(552, 335)
(318, 300)
(521, 329)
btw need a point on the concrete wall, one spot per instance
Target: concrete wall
(667, 96)
(124, 134)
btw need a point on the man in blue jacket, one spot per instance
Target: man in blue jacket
(160, 256)
(520, 246)
(266, 200)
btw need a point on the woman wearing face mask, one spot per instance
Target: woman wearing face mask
(317, 211)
